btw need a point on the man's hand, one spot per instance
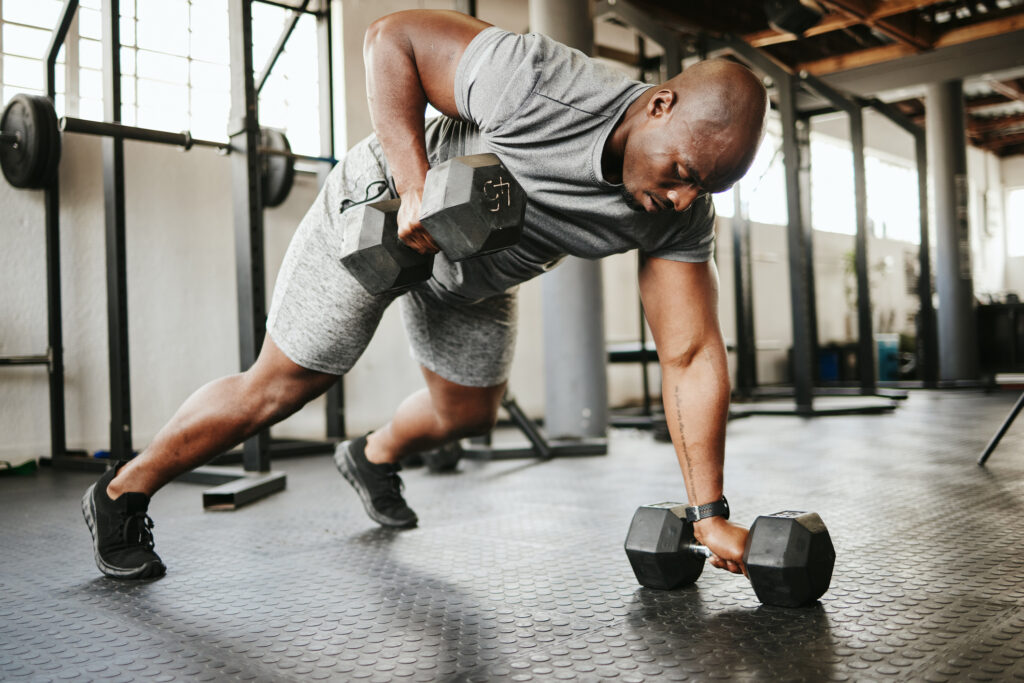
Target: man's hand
(725, 539)
(410, 231)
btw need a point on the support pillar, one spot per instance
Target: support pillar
(947, 156)
(576, 385)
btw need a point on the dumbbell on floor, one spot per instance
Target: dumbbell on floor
(471, 206)
(789, 555)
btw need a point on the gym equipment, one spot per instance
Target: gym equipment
(471, 206)
(277, 170)
(789, 555)
(30, 146)
(1001, 431)
(30, 149)
(444, 459)
(376, 257)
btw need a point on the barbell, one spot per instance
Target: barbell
(30, 146)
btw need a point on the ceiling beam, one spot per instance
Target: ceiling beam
(862, 12)
(837, 22)
(887, 53)
(994, 123)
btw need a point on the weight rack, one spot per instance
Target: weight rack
(253, 481)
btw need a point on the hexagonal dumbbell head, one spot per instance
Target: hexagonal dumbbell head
(472, 206)
(373, 253)
(789, 558)
(656, 547)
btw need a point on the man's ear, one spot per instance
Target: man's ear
(661, 103)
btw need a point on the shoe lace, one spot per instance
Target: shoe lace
(391, 492)
(137, 530)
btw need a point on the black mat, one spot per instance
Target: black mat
(517, 570)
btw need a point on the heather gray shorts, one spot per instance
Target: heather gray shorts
(322, 319)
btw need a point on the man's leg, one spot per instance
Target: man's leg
(212, 420)
(221, 415)
(441, 413)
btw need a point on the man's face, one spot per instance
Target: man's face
(668, 162)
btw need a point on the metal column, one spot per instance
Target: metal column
(55, 318)
(336, 428)
(576, 385)
(927, 341)
(244, 132)
(799, 280)
(947, 153)
(114, 212)
(746, 344)
(865, 331)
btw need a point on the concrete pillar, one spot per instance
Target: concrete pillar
(575, 383)
(947, 161)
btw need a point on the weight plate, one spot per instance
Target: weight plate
(278, 171)
(32, 162)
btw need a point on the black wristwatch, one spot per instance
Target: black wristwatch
(718, 508)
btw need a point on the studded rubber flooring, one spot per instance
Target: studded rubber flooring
(517, 571)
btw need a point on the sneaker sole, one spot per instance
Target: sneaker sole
(343, 461)
(150, 570)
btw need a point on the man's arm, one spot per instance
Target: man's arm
(411, 58)
(681, 304)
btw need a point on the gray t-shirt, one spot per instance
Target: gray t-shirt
(547, 110)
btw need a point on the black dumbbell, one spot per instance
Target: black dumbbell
(471, 206)
(788, 555)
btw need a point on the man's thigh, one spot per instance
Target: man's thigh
(467, 343)
(320, 316)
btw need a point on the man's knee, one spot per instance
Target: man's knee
(469, 417)
(276, 387)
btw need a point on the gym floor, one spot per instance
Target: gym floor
(517, 571)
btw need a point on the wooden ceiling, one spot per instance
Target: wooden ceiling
(858, 33)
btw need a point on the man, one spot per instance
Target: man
(608, 164)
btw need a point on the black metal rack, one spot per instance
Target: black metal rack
(248, 213)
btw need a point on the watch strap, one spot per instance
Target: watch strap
(717, 508)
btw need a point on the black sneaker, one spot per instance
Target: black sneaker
(378, 486)
(121, 537)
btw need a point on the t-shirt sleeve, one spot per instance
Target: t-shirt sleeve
(495, 76)
(694, 242)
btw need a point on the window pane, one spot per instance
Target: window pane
(128, 61)
(162, 67)
(127, 31)
(27, 42)
(163, 26)
(832, 191)
(1015, 222)
(208, 76)
(893, 200)
(90, 54)
(90, 84)
(91, 109)
(24, 73)
(42, 13)
(90, 23)
(724, 203)
(767, 183)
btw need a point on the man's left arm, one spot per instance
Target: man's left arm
(681, 304)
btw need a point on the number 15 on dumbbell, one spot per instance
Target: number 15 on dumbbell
(788, 556)
(471, 206)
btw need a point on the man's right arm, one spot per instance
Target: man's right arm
(411, 58)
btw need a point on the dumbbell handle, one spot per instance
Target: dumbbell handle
(697, 549)
(10, 138)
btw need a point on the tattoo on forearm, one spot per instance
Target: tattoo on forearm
(682, 436)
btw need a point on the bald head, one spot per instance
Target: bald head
(724, 102)
(696, 133)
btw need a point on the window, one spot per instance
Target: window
(764, 186)
(174, 61)
(25, 27)
(1015, 222)
(892, 192)
(893, 200)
